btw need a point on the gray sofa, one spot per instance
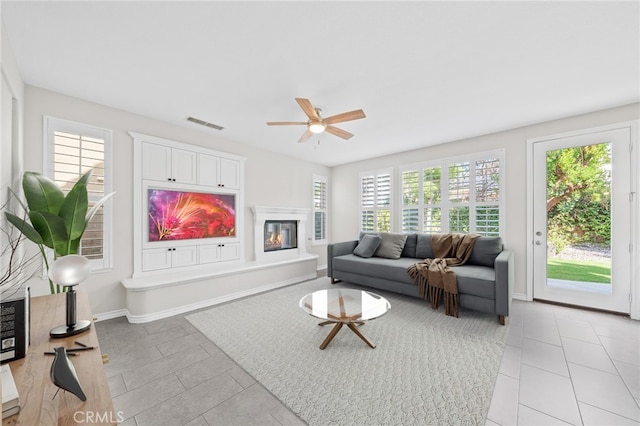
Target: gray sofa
(485, 281)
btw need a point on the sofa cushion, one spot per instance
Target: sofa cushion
(423, 247)
(391, 245)
(476, 280)
(409, 249)
(472, 279)
(363, 233)
(485, 250)
(367, 245)
(379, 267)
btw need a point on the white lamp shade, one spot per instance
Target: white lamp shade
(317, 127)
(70, 270)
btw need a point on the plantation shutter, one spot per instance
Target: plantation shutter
(320, 209)
(375, 201)
(410, 198)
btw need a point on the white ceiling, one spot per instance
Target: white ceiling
(424, 72)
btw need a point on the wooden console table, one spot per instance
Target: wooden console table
(32, 377)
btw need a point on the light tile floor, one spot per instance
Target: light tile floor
(568, 366)
(560, 366)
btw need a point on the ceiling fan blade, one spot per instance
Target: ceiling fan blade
(345, 116)
(305, 136)
(338, 132)
(308, 109)
(284, 123)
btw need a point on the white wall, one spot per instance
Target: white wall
(11, 110)
(11, 101)
(345, 193)
(270, 179)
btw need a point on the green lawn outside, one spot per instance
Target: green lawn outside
(574, 270)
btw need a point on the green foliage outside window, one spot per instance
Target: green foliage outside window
(384, 221)
(579, 196)
(459, 219)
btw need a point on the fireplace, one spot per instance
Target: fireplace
(280, 235)
(279, 232)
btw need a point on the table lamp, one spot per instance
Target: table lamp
(69, 271)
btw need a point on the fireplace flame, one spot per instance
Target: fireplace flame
(274, 240)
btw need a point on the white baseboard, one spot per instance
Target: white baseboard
(521, 296)
(109, 315)
(139, 319)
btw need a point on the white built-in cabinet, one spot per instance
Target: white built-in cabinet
(170, 165)
(166, 164)
(218, 171)
(219, 252)
(170, 257)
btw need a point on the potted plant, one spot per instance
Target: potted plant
(56, 220)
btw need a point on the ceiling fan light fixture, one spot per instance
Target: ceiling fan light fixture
(316, 124)
(317, 127)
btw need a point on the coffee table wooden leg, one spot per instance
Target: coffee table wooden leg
(326, 322)
(353, 328)
(331, 335)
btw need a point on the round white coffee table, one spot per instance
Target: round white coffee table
(350, 307)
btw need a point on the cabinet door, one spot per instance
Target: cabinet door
(184, 256)
(208, 170)
(154, 259)
(183, 166)
(209, 253)
(229, 173)
(229, 251)
(156, 162)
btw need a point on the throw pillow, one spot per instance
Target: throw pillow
(391, 245)
(367, 245)
(485, 251)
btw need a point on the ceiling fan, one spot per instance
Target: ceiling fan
(316, 124)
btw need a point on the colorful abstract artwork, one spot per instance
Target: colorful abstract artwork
(178, 215)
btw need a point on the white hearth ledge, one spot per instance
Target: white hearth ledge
(154, 297)
(221, 270)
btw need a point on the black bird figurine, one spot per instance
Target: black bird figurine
(63, 374)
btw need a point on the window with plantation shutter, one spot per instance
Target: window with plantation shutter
(319, 209)
(453, 195)
(71, 150)
(488, 200)
(376, 197)
(410, 201)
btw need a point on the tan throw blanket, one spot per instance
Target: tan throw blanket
(434, 276)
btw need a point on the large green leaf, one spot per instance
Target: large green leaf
(24, 227)
(84, 180)
(74, 210)
(95, 208)
(52, 229)
(73, 247)
(42, 193)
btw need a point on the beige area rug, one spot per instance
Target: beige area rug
(427, 369)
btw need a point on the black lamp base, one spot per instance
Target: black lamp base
(65, 331)
(72, 327)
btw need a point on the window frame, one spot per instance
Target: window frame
(52, 125)
(445, 204)
(325, 181)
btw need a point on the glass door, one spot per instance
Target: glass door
(582, 220)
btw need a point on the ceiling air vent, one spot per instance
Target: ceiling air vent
(205, 123)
